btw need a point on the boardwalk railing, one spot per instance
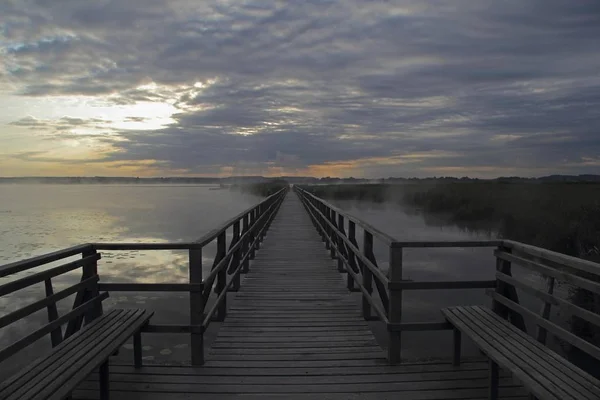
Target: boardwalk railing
(248, 227)
(338, 230)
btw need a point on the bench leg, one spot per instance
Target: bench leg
(457, 344)
(493, 380)
(137, 349)
(104, 379)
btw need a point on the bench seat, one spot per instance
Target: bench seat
(545, 373)
(55, 375)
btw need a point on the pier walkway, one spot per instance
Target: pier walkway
(294, 326)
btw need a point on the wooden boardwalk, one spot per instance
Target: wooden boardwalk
(294, 331)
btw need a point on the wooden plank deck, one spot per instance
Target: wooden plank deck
(294, 331)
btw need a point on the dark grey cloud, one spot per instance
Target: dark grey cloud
(462, 86)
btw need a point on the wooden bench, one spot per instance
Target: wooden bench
(56, 375)
(545, 373)
(78, 350)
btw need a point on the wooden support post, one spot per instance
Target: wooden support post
(252, 234)
(457, 347)
(245, 246)
(55, 335)
(89, 270)
(84, 295)
(321, 220)
(395, 305)
(196, 307)
(137, 349)
(352, 259)
(332, 235)
(104, 381)
(257, 233)
(367, 275)
(508, 291)
(235, 259)
(221, 278)
(493, 394)
(326, 213)
(542, 333)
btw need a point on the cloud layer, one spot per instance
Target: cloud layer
(362, 88)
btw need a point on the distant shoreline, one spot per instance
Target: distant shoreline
(306, 180)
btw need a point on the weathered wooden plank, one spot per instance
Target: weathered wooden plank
(407, 285)
(151, 287)
(303, 350)
(511, 393)
(412, 368)
(398, 387)
(355, 355)
(297, 380)
(329, 344)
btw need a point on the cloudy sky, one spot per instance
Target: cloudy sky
(313, 87)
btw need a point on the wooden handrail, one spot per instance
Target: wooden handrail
(212, 235)
(387, 239)
(33, 262)
(568, 261)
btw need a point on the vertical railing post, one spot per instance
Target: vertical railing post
(221, 277)
(326, 211)
(350, 254)
(332, 251)
(542, 333)
(341, 254)
(235, 258)
(196, 308)
(395, 304)
(508, 291)
(367, 275)
(91, 270)
(257, 215)
(55, 335)
(245, 246)
(320, 219)
(252, 234)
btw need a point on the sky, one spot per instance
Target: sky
(410, 88)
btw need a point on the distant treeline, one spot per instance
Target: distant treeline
(306, 180)
(263, 189)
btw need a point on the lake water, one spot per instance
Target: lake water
(36, 219)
